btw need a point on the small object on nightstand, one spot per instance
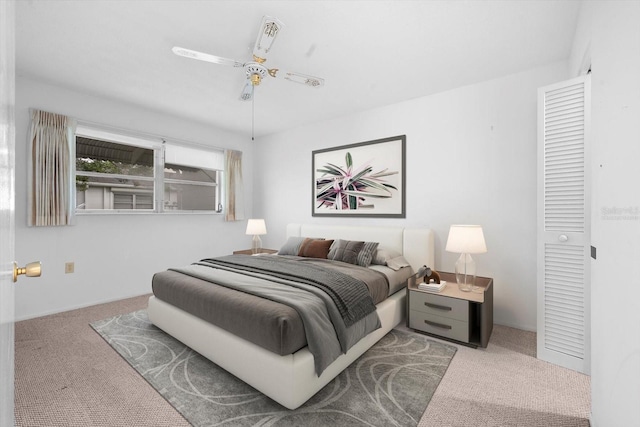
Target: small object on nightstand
(427, 275)
(432, 276)
(432, 286)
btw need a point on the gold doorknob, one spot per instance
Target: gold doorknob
(33, 269)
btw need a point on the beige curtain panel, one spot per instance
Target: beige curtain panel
(234, 188)
(52, 161)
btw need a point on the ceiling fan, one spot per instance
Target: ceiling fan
(255, 70)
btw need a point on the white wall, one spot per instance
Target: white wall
(471, 158)
(609, 33)
(115, 255)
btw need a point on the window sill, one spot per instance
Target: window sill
(143, 212)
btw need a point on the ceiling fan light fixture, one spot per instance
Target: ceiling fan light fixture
(247, 92)
(255, 72)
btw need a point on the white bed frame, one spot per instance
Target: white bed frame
(291, 379)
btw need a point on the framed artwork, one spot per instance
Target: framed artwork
(366, 179)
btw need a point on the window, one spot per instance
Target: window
(120, 173)
(191, 178)
(188, 188)
(106, 172)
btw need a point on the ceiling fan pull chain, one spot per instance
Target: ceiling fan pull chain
(253, 115)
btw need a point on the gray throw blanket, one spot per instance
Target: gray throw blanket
(327, 334)
(351, 296)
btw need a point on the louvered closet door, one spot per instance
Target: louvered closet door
(563, 224)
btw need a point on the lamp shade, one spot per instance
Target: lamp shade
(466, 239)
(256, 227)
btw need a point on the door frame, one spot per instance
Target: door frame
(7, 210)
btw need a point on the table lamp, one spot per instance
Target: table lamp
(466, 240)
(257, 227)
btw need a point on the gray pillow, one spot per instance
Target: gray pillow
(367, 253)
(345, 251)
(292, 246)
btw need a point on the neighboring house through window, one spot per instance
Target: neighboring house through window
(122, 173)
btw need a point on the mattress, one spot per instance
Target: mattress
(269, 324)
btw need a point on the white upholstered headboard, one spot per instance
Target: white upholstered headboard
(415, 244)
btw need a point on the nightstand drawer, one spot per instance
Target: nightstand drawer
(438, 325)
(438, 305)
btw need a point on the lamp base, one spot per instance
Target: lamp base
(256, 244)
(465, 273)
(477, 289)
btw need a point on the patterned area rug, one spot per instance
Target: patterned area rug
(390, 385)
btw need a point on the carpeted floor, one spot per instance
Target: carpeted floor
(67, 375)
(504, 385)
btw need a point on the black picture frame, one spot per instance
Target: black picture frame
(365, 179)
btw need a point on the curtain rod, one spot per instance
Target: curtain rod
(134, 133)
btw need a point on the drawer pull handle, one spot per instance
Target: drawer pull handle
(437, 325)
(438, 307)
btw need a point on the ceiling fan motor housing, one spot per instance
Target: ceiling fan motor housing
(255, 72)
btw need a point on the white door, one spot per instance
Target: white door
(7, 173)
(564, 224)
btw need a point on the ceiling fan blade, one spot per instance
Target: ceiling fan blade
(304, 79)
(188, 53)
(247, 91)
(269, 29)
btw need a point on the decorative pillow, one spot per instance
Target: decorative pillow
(383, 255)
(366, 254)
(315, 248)
(397, 263)
(345, 251)
(292, 246)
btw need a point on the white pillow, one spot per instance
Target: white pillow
(383, 255)
(397, 263)
(291, 246)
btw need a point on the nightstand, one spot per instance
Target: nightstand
(250, 252)
(464, 317)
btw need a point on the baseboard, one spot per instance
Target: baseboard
(515, 326)
(77, 307)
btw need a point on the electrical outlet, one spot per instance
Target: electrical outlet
(69, 267)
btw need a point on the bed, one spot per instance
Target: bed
(291, 379)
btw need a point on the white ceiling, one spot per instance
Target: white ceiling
(370, 53)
